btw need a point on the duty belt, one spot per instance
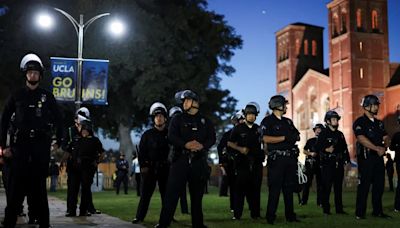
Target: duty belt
(193, 155)
(282, 153)
(31, 133)
(328, 156)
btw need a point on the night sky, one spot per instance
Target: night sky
(257, 21)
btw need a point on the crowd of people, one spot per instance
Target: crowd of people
(173, 153)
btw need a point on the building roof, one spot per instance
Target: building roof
(307, 25)
(298, 24)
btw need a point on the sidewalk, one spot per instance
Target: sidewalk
(57, 218)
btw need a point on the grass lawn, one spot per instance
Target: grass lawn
(217, 213)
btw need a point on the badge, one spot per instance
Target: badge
(43, 98)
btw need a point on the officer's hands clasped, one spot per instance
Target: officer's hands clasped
(194, 146)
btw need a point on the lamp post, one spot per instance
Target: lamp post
(80, 29)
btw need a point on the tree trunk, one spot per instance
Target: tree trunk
(125, 142)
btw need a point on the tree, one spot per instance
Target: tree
(171, 45)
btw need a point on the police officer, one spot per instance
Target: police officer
(182, 197)
(245, 139)
(36, 113)
(312, 165)
(122, 166)
(192, 135)
(227, 161)
(87, 152)
(332, 147)
(281, 136)
(395, 146)
(371, 135)
(72, 137)
(153, 159)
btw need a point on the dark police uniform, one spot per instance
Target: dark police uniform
(187, 166)
(313, 168)
(153, 155)
(371, 169)
(36, 112)
(122, 174)
(395, 146)
(332, 166)
(390, 171)
(226, 159)
(84, 165)
(72, 139)
(282, 165)
(248, 169)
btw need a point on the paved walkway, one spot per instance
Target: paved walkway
(57, 218)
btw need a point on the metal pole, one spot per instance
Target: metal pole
(80, 29)
(78, 92)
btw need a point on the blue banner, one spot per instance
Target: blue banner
(64, 73)
(94, 80)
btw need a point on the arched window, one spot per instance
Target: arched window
(297, 47)
(374, 17)
(335, 25)
(286, 51)
(343, 28)
(305, 47)
(314, 48)
(359, 19)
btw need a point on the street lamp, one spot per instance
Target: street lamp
(45, 21)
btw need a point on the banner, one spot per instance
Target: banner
(94, 80)
(64, 73)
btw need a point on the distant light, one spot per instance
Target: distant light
(263, 11)
(213, 156)
(44, 21)
(117, 28)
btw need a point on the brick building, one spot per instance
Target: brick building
(358, 65)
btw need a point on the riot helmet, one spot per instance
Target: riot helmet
(237, 117)
(276, 102)
(329, 115)
(174, 110)
(180, 96)
(251, 108)
(318, 125)
(82, 114)
(31, 62)
(158, 108)
(368, 101)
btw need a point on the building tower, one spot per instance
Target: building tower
(299, 47)
(359, 57)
